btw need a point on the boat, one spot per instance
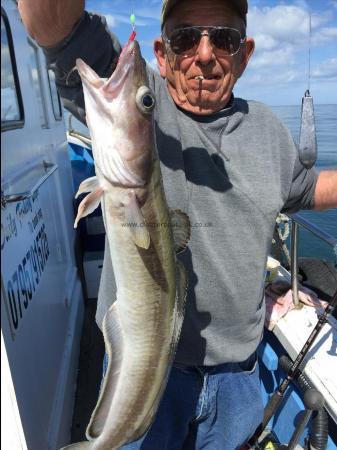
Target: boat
(51, 348)
(42, 306)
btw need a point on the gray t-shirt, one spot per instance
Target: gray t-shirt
(231, 172)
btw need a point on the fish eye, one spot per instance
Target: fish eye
(145, 99)
(148, 101)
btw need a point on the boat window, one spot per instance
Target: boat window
(35, 74)
(55, 98)
(12, 115)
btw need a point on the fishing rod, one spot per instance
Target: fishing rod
(275, 400)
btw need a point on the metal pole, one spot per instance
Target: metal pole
(299, 430)
(294, 263)
(312, 228)
(313, 401)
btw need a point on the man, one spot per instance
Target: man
(231, 166)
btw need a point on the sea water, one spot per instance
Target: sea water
(326, 130)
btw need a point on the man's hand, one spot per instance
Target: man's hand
(326, 190)
(50, 21)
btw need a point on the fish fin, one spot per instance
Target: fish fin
(85, 445)
(88, 204)
(179, 314)
(134, 217)
(113, 338)
(181, 229)
(88, 185)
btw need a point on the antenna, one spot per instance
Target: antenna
(309, 53)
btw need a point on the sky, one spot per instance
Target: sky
(278, 72)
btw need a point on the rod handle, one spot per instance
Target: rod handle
(272, 406)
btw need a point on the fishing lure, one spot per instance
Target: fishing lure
(132, 35)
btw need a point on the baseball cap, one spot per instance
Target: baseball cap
(240, 6)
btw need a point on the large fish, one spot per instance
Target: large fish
(142, 327)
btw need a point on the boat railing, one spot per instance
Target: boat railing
(48, 169)
(298, 221)
(77, 134)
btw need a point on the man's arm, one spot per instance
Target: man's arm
(50, 21)
(326, 190)
(67, 32)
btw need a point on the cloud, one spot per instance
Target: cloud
(324, 35)
(265, 41)
(111, 20)
(281, 57)
(146, 43)
(327, 69)
(114, 20)
(150, 13)
(153, 64)
(264, 77)
(281, 34)
(289, 25)
(286, 23)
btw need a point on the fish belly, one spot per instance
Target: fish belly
(146, 292)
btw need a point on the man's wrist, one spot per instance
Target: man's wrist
(326, 190)
(63, 37)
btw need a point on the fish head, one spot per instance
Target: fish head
(119, 114)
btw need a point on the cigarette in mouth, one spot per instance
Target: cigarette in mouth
(199, 78)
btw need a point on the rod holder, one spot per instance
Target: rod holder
(313, 401)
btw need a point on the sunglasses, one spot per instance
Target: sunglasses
(225, 41)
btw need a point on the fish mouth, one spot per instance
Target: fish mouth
(126, 61)
(114, 99)
(113, 85)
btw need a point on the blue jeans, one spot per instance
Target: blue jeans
(208, 408)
